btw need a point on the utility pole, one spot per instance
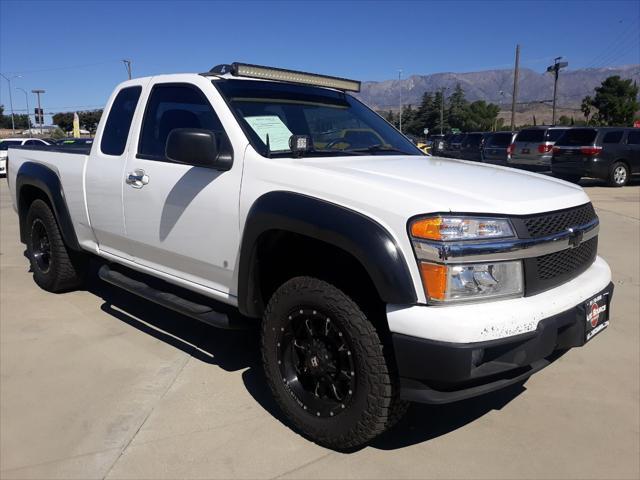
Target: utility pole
(40, 112)
(8, 79)
(441, 109)
(555, 69)
(26, 99)
(127, 65)
(514, 97)
(400, 86)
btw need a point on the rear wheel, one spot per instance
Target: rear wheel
(325, 365)
(618, 175)
(55, 268)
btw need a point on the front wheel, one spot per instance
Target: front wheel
(325, 365)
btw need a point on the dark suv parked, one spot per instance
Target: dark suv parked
(496, 148)
(472, 145)
(611, 154)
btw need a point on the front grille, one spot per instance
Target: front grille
(566, 261)
(556, 222)
(548, 271)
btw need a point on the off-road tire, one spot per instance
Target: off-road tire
(618, 175)
(66, 269)
(375, 405)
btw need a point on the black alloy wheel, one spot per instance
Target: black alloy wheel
(316, 362)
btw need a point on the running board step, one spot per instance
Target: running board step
(204, 313)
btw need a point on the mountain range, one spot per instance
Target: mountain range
(495, 86)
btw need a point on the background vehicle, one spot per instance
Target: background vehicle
(611, 154)
(452, 146)
(5, 143)
(472, 146)
(437, 144)
(237, 198)
(533, 147)
(74, 142)
(496, 147)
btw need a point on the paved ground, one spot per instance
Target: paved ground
(101, 384)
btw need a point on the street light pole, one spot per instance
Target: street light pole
(8, 79)
(555, 69)
(26, 99)
(400, 86)
(40, 112)
(441, 110)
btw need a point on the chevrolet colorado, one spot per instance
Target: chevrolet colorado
(377, 275)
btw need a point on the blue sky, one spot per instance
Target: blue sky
(73, 49)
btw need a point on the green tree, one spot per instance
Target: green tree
(480, 116)
(564, 120)
(19, 121)
(63, 120)
(89, 120)
(616, 101)
(586, 108)
(456, 108)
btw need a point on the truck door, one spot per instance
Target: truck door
(181, 219)
(103, 180)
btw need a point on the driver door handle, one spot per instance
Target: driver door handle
(137, 179)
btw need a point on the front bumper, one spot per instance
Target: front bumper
(446, 354)
(440, 372)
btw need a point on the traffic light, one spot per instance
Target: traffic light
(39, 116)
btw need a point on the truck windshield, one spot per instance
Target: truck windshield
(337, 123)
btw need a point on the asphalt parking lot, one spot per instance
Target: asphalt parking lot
(101, 384)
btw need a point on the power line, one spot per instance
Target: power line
(70, 67)
(618, 42)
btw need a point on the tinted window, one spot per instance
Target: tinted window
(555, 134)
(531, 135)
(174, 106)
(500, 140)
(633, 138)
(612, 137)
(116, 131)
(33, 142)
(473, 140)
(9, 143)
(577, 137)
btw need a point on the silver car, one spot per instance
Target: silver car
(534, 146)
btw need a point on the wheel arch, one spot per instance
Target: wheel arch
(36, 181)
(319, 225)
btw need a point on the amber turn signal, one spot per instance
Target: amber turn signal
(434, 280)
(427, 228)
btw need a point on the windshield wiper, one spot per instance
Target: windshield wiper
(378, 147)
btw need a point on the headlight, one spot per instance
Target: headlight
(445, 282)
(448, 228)
(477, 281)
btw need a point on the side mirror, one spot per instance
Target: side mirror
(197, 147)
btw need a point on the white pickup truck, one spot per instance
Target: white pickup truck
(377, 275)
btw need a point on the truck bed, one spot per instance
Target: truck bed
(69, 163)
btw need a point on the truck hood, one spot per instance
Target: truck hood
(412, 185)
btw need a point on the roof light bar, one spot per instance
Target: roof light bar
(270, 73)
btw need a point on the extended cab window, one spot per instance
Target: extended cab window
(116, 131)
(172, 106)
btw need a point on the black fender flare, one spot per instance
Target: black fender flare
(47, 181)
(365, 239)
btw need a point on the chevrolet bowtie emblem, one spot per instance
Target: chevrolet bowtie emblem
(575, 238)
